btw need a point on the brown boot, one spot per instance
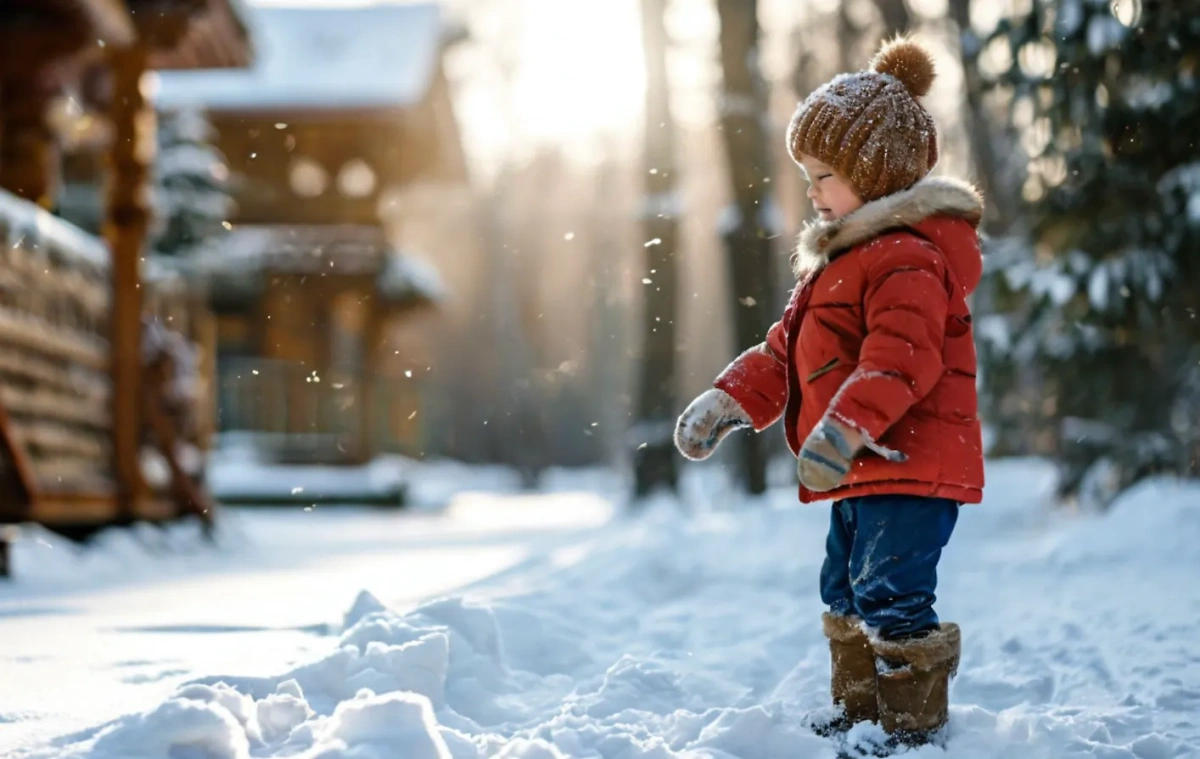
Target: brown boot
(914, 681)
(852, 681)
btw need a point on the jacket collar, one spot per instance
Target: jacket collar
(822, 241)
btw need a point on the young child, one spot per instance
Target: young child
(873, 369)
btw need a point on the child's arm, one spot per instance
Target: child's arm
(905, 304)
(757, 379)
(750, 392)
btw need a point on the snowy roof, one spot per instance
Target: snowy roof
(232, 265)
(376, 56)
(406, 277)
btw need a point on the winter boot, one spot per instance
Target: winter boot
(852, 681)
(914, 681)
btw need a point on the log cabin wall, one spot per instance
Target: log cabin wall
(54, 382)
(55, 353)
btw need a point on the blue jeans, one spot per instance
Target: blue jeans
(881, 560)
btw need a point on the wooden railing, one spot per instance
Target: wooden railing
(296, 416)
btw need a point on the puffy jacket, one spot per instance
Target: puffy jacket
(878, 335)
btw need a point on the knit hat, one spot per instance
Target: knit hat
(869, 125)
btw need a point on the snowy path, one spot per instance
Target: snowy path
(689, 638)
(155, 610)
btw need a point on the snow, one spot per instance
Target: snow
(995, 330)
(1104, 33)
(689, 631)
(1146, 94)
(188, 158)
(90, 635)
(1070, 16)
(1054, 283)
(378, 56)
(238, 473)
(1100, 286)
(235, 259)
(20, 218)
(1186, 179)
(406, 275)
(1140, 270)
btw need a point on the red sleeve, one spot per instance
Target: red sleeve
(905, 305)
(757, 379)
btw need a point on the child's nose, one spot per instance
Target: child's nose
(812, 192)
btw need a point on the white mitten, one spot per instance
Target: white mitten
(706, 421)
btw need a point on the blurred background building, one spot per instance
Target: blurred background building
(341, 109)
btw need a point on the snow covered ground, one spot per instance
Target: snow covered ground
(686, 632)
(88, 636)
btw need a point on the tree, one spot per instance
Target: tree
(989, 141)
(1104, 296)
(191, 184)
(752, 221)
(655, 463)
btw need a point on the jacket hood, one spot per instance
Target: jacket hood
(945, 210)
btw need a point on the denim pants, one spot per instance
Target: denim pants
(881, 560)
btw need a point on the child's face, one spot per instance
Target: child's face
(831, 193)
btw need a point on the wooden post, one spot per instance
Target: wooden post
(28, 153)
(125, 229)
(8, 536)
(372, 335)
(18, 489)
(204, 333)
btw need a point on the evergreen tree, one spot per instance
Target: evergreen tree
(191, 184)
(1104, 295)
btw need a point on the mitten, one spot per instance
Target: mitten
(826, 455)
(706, 421)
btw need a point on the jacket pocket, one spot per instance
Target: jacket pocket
(826, 369)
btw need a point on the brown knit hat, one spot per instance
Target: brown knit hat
(869, 125)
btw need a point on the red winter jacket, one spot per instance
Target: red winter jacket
(878, 335)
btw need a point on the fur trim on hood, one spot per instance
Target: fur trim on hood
(822, 241)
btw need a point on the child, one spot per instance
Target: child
(873, 369)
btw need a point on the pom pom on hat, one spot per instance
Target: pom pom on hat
(907, 61)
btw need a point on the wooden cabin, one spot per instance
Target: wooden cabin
(300, 310)
(341, 107)
(86, 390)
